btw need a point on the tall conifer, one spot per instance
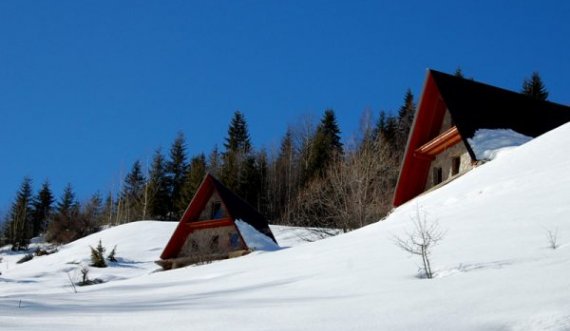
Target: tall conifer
(405, 120)
(534, 87)
(133, 192)
(177, 168)
(325, 147)
(42, 208)
(238, 149)
(20, 217)
(158, 188)
(194, 177)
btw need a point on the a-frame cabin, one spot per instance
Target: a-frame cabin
(443, 139)
(208, 231)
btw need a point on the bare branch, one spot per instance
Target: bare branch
(552, 236)
(425, 235)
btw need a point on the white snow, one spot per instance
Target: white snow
(494, 269)
(488, 143)
(254, 239)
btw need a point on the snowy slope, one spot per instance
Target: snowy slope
(494, 270)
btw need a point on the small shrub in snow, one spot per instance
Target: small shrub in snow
(85, 281)
(111, 257)
(41, 252)
(97, 256)
(425, 236)
(552, 236)
(26, 258)
(84, 275)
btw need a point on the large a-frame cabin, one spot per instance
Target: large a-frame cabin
(451, 112)
(209, 228)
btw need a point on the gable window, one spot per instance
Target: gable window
(437, 175)
(455, 163)
(216, 211)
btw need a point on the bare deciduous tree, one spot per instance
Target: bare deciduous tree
(425, 235)
(355, 191)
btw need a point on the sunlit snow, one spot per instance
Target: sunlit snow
(494, 269)
(254, 239)
(487, 143)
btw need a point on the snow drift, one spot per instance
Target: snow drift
(486, 143)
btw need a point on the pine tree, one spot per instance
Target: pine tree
(20, 217)
(67, 203)
(249, 181)
(238, 149)
(325, 147)
(97, 256)
(112, 255)
(262, 182)
(459, 73)
(238, 135)
(231, 169)
(133, 192)
(65, 225)
(380, 127)
(197, 172)
(405, 120)
(285, 184)
(176, 169)
(534, 87)
(42, 206)
(387, 129)
(330, 130)
(158, 194)
(214, 162)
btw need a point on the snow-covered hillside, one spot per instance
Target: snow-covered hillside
(494, 269)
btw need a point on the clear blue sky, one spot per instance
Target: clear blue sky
(88, 87)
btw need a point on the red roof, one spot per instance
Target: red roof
(472, 106)
(426, 126)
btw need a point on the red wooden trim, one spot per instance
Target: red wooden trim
(427, 123)
(198, 202)
(209, 224)
(440, 143)
(423, 156)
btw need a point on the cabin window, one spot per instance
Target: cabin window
(234, 240)
(216, 211)
(214, 243)
(455, 163)
(194, 245)
(437, 175)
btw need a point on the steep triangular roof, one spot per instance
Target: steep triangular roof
(239, 209)
(235, 207)
(472, 106)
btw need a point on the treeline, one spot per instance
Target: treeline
(310, 179)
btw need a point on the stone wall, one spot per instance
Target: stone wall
(444, 161)
(212, 241)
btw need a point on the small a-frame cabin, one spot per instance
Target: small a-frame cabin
(208, 231)
(443, 139)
